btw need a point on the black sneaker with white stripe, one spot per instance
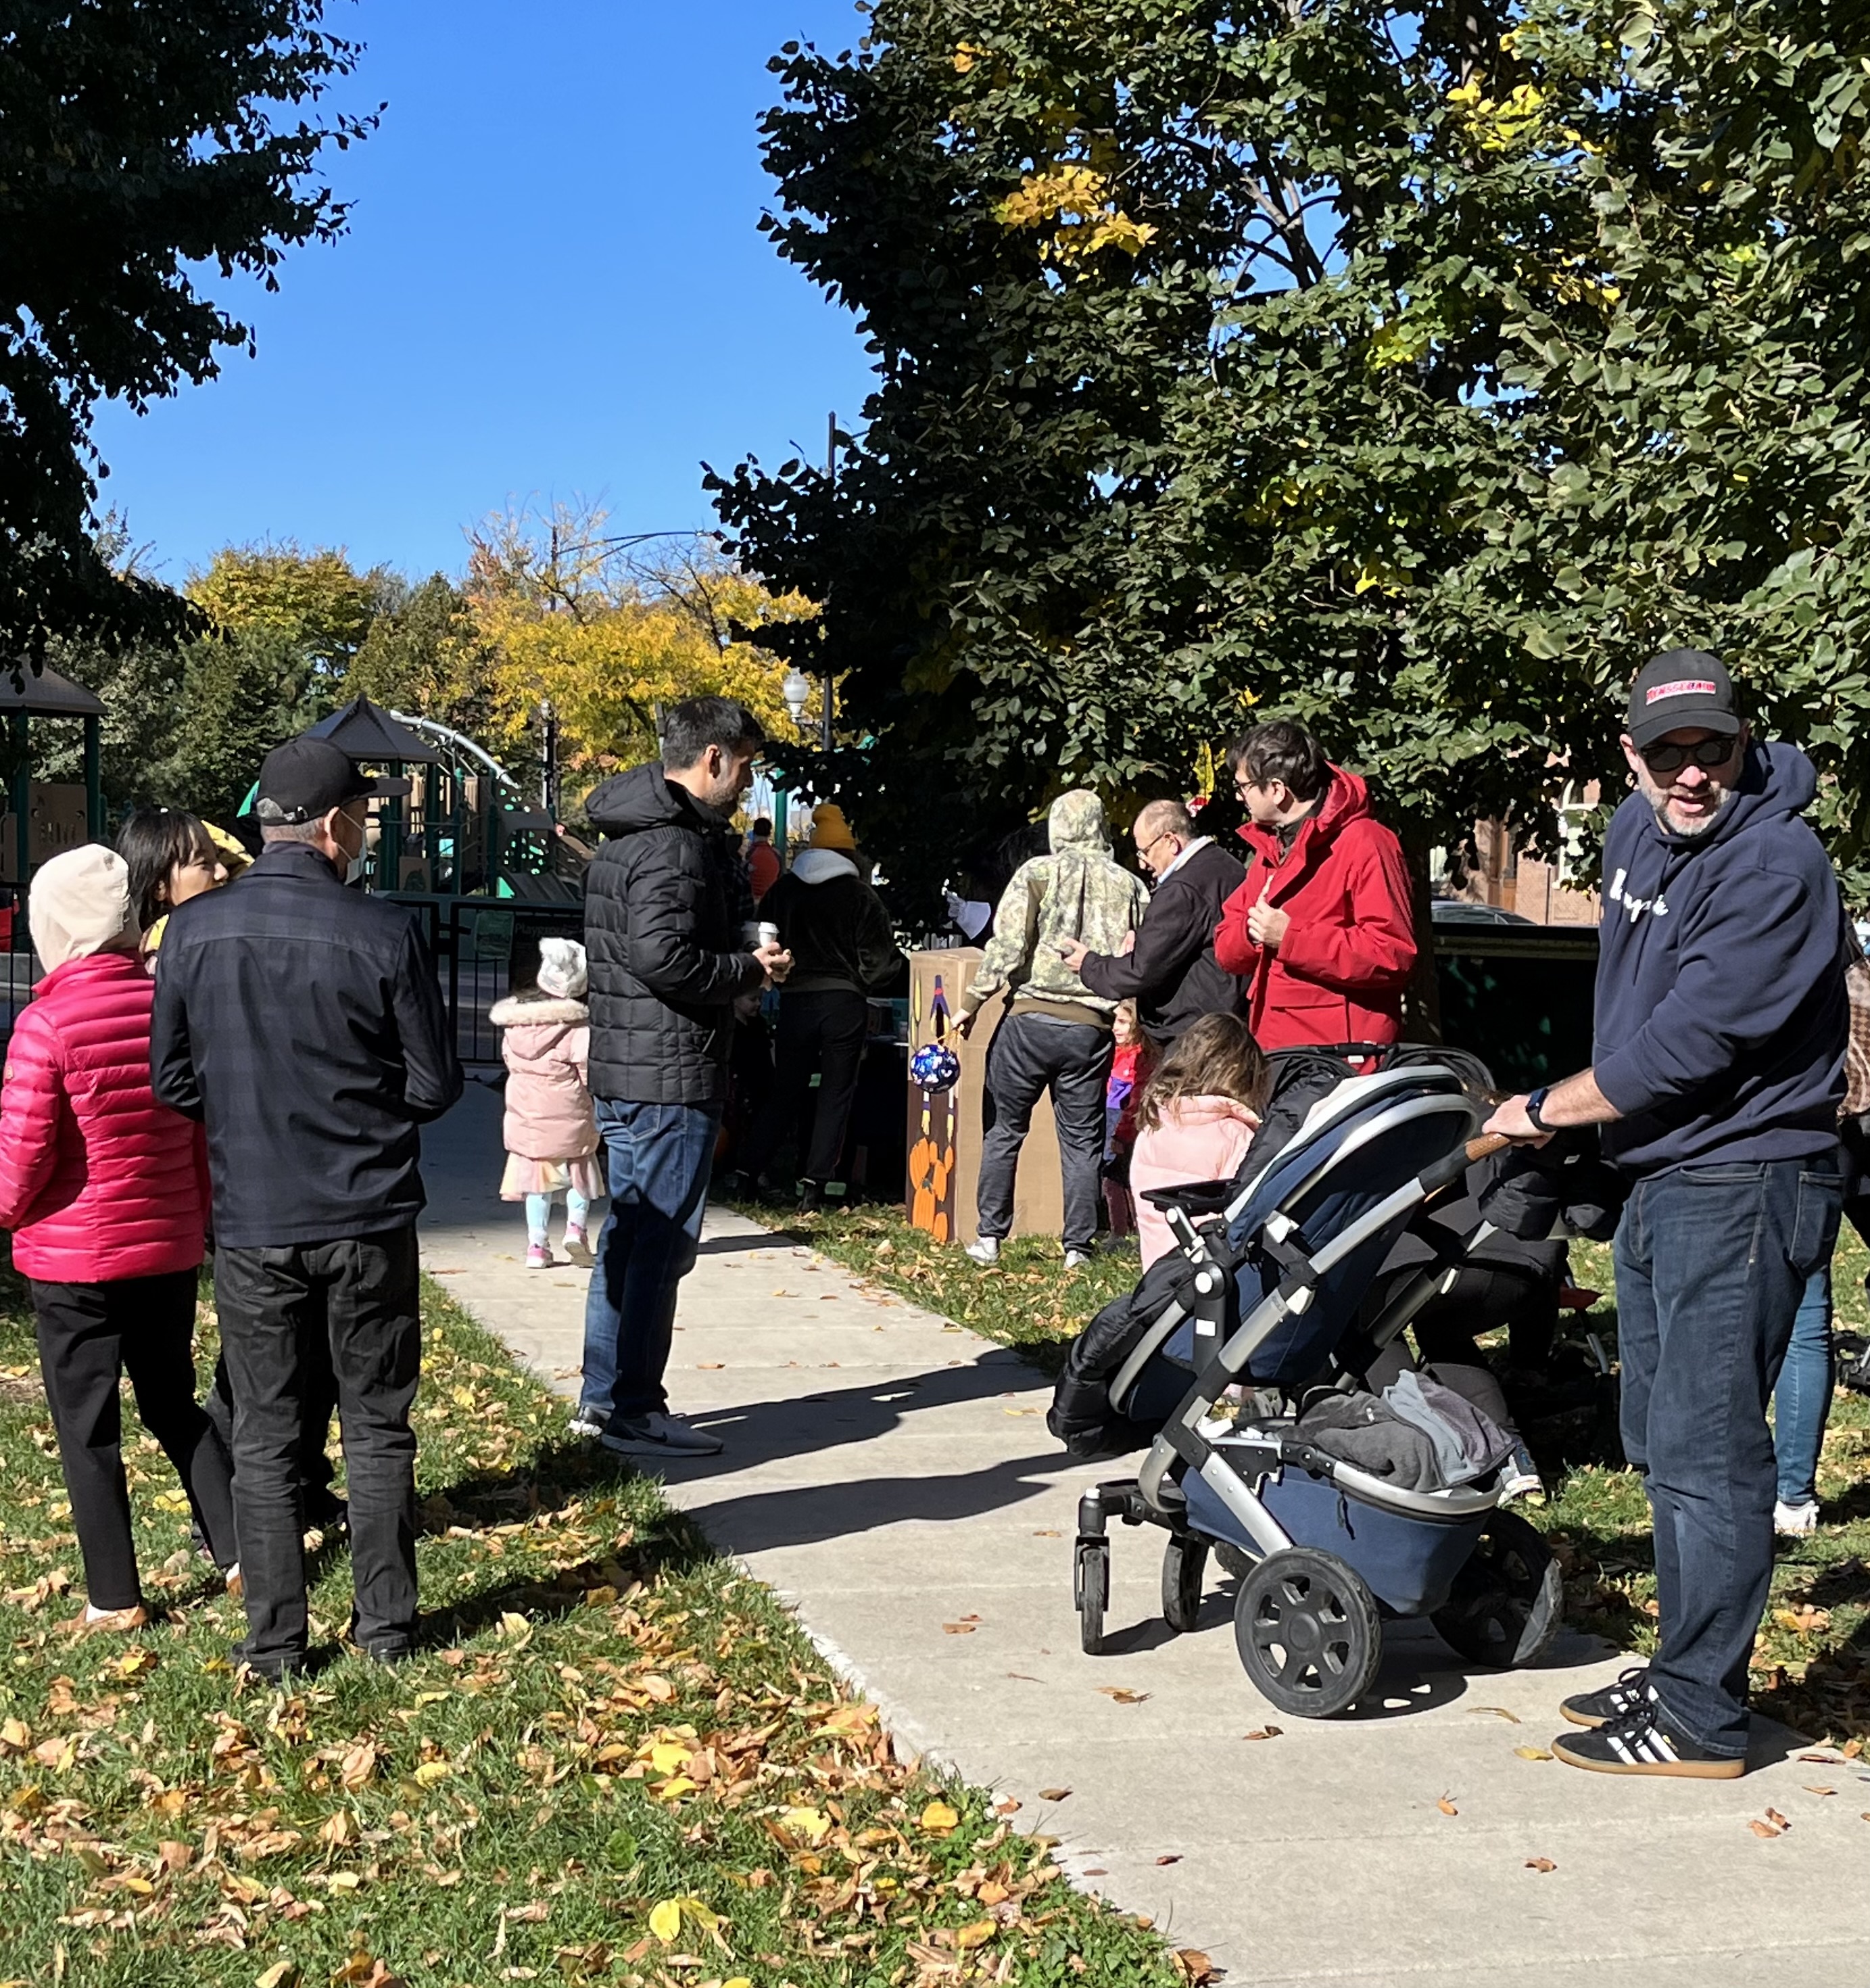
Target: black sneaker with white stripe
(1612, 1703)
(1642, 1741)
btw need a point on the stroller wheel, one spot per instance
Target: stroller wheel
(1507, 1602)
(1090, 1592)
(1308, 1632)
(1184, 1562)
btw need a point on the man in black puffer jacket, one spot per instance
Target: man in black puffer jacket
(664, 900)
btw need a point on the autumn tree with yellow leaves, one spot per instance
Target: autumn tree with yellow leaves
(608, 629)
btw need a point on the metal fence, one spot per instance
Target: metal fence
(487, 950)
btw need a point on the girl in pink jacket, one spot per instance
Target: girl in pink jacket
(551, 1130)
(1197, 1117)
(106, 1192)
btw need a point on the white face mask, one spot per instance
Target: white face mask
(355, 865)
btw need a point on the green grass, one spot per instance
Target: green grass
(1811, 1666)
(617, 1760)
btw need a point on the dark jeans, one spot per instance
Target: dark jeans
(1712, 1261)
(1030, 1054)
(660, 1157)
(89, 1336)
(824, 1032)
(360, 1299)
(320, 1400)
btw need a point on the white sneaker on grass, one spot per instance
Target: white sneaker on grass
(583, 1427)
(1795, 1522)
(1075, 1260)
(655, 1434)
(984, 1249)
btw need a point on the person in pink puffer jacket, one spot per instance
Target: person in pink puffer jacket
(1196, 1118)
(106, 1192)
(551, 1130)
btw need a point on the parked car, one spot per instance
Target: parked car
(1459, 911)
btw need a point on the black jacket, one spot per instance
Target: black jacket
(304, 1024)
(834, 925)
(664, 900)
(1172, 974)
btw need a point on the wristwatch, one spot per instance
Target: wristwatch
(1535, 1106)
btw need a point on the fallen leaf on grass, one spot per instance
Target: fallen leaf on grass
(1540, 1863)
(1121, 1694)
(1447, 1806)
(978, 1934)
(281, 1974)
(1264, 1732)
(1493, 1711)
(813, 1825)
(1803, 1620)
(1053, 1794)
(1532, 1752)
(135, 1663)
(1194, 1966)
(938, 1819)
(665, 1918)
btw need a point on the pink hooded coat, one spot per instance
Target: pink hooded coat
(545, 1044)
(1199, 1139)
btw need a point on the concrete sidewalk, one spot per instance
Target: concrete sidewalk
(890, 1476)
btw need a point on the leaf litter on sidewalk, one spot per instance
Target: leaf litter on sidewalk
(618, 1760)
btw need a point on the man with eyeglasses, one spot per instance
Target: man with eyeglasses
(1717, 1075)
(1170, 972)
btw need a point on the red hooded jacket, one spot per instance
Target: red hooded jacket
(98, 1181)
(1339, 972)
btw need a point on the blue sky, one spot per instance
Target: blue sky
(553, 283)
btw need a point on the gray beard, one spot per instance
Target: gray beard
(1701, 828)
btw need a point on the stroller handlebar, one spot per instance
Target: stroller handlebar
(1445, 1173)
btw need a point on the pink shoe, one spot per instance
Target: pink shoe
(538, 1258)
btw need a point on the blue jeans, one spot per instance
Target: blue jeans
(1712, 1261)
(659, 1157)
(1801, 1404)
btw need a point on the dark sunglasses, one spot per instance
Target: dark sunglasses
(1708, 753)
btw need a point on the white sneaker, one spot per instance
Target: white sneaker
(1075, 1260)
(1795, 1522)
(984, 1249)
(655, 1435)
(583, 1427)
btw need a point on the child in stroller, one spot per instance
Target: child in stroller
(1340, 1513)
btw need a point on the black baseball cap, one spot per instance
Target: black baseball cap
(307, 777)
(1677, 689)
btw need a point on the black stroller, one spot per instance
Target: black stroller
(1265, 1292)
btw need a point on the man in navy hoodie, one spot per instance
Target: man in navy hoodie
(1718, 1072)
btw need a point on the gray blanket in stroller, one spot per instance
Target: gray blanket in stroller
(1417, 1435)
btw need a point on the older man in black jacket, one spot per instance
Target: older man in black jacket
(665, 903)
(1171, 973)
(303, 1024)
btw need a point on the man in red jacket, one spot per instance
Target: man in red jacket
(1323, 930)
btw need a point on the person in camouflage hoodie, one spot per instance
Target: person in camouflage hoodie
(1056, 1036)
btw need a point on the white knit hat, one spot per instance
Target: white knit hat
(79, 904)
(562, 969)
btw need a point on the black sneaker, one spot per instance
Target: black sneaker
(1643, 1742)
(1613, 1702)
(811, 1197)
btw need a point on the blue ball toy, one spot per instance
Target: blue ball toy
(935, 1066)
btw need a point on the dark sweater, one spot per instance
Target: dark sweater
(834, 925)
(1171, 974)
(1720, 1003)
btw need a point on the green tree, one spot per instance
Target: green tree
(138, 144)
(1415, 370)
(423, 655)
(242, 694)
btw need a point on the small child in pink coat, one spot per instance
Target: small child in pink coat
(551, 1131)
(1198, 1116)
